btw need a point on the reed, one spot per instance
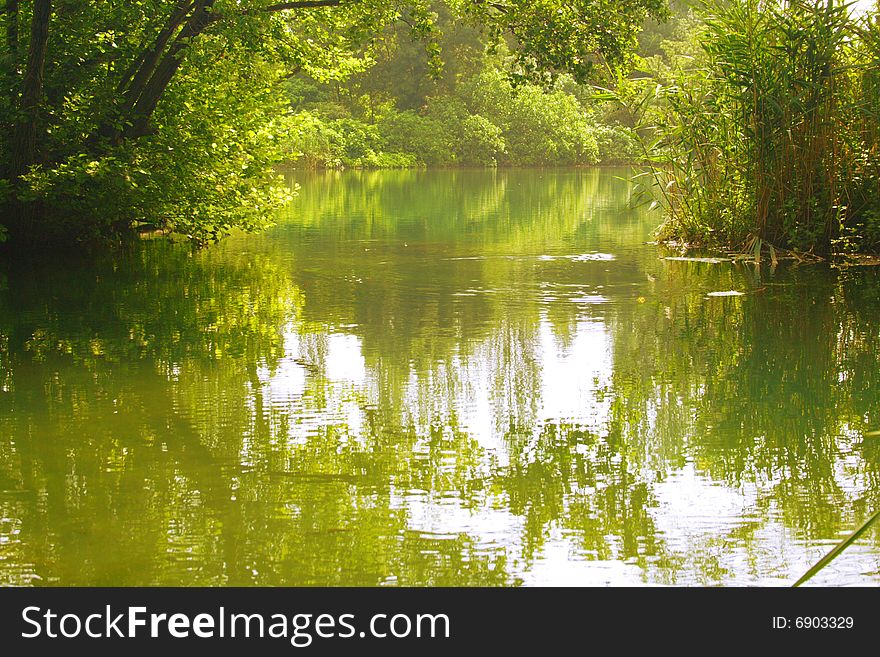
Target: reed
(837, 550)
(771, 132)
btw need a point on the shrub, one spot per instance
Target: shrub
(426, 137)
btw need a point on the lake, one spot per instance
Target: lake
(468, 377)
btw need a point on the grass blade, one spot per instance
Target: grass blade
(838, 549)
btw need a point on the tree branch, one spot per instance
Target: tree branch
(141, 76)
(166, 68)
(302, 4)
(145, 82)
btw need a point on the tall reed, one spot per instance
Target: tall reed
(769, 135)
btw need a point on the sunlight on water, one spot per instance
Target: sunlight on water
(435, 378)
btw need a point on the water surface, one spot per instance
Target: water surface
(436, 378)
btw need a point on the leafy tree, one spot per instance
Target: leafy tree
(539, 127)
(169, 113)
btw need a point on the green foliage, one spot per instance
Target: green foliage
(762, 123)
(616, 144)
(204, 172)
(482, 109)
(483, 120)
(316, 141)
(426, 137)
(480, 141)
(571, 36)
(539, 127)
(172, 113)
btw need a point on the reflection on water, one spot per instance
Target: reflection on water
(436, 378)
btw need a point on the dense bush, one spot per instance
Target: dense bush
(205, 168)
(429, 139)
(539, 126)
(617, 144)
(480, 142)
(485, 120)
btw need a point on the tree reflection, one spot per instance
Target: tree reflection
(430, 379)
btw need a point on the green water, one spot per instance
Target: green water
(436, 378)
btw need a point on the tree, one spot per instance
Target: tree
(168, 113)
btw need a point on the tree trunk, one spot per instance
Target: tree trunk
(10, 80)
(22, 215)
(24, 140)
(12, 27)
